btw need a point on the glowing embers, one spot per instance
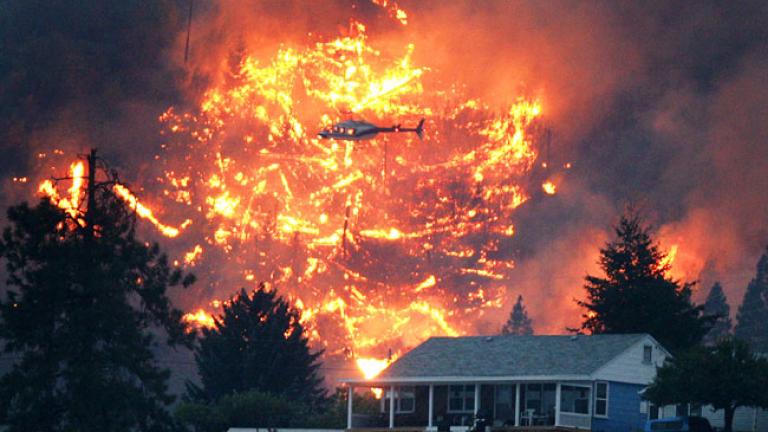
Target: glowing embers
(549, 188)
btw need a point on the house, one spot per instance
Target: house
(580, 382)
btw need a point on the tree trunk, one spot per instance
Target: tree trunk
(728, 421)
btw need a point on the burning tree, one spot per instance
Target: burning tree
(84, 302)
(637, 296)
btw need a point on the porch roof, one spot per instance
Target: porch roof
(497, 358)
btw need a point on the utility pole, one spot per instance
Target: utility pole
(90, 194)
(189, 30)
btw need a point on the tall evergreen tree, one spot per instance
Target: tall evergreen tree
(257, 343)
(716, 306)
(636, 295)
(518, 322)
(84, 302)
(752, 319)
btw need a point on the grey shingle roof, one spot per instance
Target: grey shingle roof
(499, 356)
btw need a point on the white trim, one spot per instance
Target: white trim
(392, 407)
(431, 412)
(607, 398)
(351, 397)
(558, 395)
(465, 380)
(477, 398)
(517, 404)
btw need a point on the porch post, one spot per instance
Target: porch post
(477, 398)
(392, 407)
(431, 411)
(557, 404)
(350, 396)
(517, 404)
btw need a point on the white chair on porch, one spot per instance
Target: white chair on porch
(527, 419)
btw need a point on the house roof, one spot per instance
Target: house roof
(508, 356)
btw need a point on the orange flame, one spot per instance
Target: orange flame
(371, 367)
(199, 319)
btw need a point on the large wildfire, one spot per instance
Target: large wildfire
(379, 244)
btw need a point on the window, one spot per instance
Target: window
(574, 400)
(647, 354)
(653, 412)
(601, 399)
(405, 400)
(461, 398)
(694, 410)
(504, 403)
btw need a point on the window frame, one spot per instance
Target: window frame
(464, 409)
(406, 390)
(648, 349)
(595, 411)
(410, 391)
(589, 398)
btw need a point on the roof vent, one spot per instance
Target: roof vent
(574, 337)
(489, 339)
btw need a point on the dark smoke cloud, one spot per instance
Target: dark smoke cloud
(658, 104)
(78, 74)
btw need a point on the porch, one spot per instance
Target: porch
(509, 406)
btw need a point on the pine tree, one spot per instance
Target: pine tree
(716, 306)
(752, 319)
(636, 296)
(257, 343)
(518, 322)
(84, 304)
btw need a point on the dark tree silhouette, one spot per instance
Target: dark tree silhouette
(726, 376)
(716, 306)
(518, 322)
(85, 301)
(257, 344)
(752, 319)
(636, 296)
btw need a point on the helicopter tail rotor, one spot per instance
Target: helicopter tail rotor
(420, 130)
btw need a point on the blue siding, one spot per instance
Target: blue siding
(623, 410)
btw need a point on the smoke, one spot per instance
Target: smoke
(658, 103)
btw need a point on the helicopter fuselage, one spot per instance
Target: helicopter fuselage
(356, 130)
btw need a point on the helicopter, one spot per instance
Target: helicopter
(357, 130)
